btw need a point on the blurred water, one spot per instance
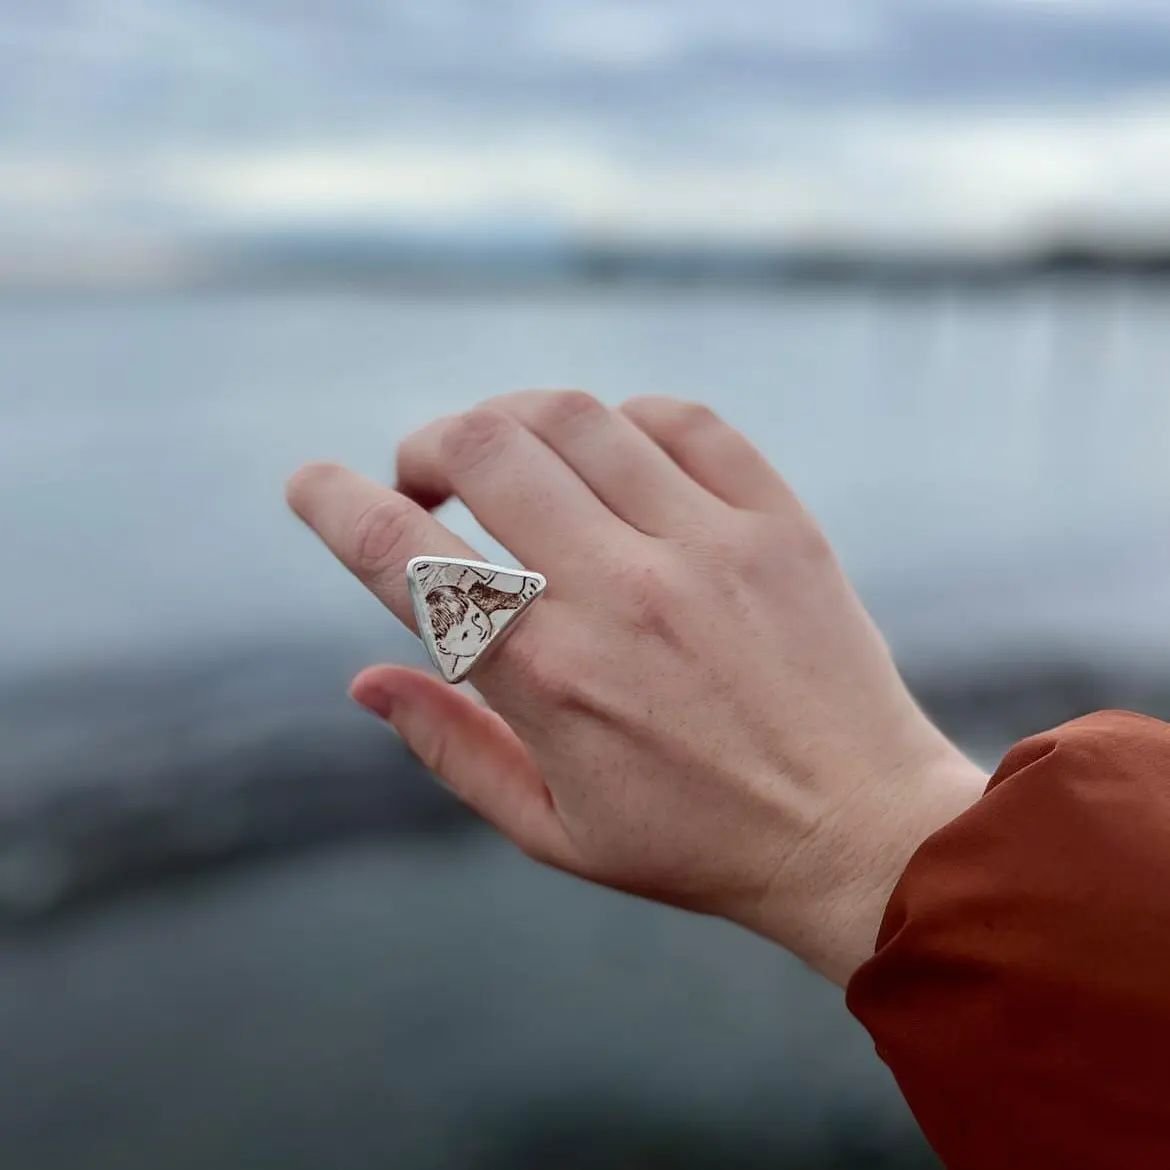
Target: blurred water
(428, 1007)
(992, 465)
(143, 441)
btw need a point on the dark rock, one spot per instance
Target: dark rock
(124, 776)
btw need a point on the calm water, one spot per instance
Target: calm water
(993, 468)
(143, 443)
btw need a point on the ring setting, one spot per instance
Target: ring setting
(463, 609)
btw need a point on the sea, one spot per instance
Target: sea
(942, 436)
(239, 929)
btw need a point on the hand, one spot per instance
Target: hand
(699, 710)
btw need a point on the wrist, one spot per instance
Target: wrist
(825, 901)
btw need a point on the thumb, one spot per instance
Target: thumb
(472, 750)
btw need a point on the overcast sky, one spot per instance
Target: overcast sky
(968, 122)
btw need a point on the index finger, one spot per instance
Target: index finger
(372, 530)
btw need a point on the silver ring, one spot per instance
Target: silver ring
(465, 608)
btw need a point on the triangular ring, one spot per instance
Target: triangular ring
(464, 608)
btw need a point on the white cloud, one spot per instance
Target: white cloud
(973, 177)
(863, 119)
(427, 183)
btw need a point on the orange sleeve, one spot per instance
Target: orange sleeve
(1020, 988)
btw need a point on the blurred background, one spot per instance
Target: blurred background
(918, 249)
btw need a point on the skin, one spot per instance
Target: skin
(699, 710)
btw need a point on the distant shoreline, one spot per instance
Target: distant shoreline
(376, 263)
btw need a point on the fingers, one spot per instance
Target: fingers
(627, 471)
(473, 751)
(711, 453)
(372, 530)
(522, 492)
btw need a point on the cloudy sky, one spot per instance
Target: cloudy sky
(973, 123)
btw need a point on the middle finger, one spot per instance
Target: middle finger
(621, 465)
(518, 488)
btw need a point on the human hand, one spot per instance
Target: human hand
(699, 710)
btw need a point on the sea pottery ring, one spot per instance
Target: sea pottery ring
(464, 608)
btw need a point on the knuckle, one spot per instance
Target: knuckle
(473, 437)
(811, 542)
(672, 418)
(533, 668)
(644, 404)
(763, 543)
(719, 538)
(566, 409)
(784, 543)
(689, 418)
(651, 595)
(766, 556)
(725, 552)
(728, 555)
(540, 669)
(727, 561)
(381, 536)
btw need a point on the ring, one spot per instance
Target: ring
(464, 608)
